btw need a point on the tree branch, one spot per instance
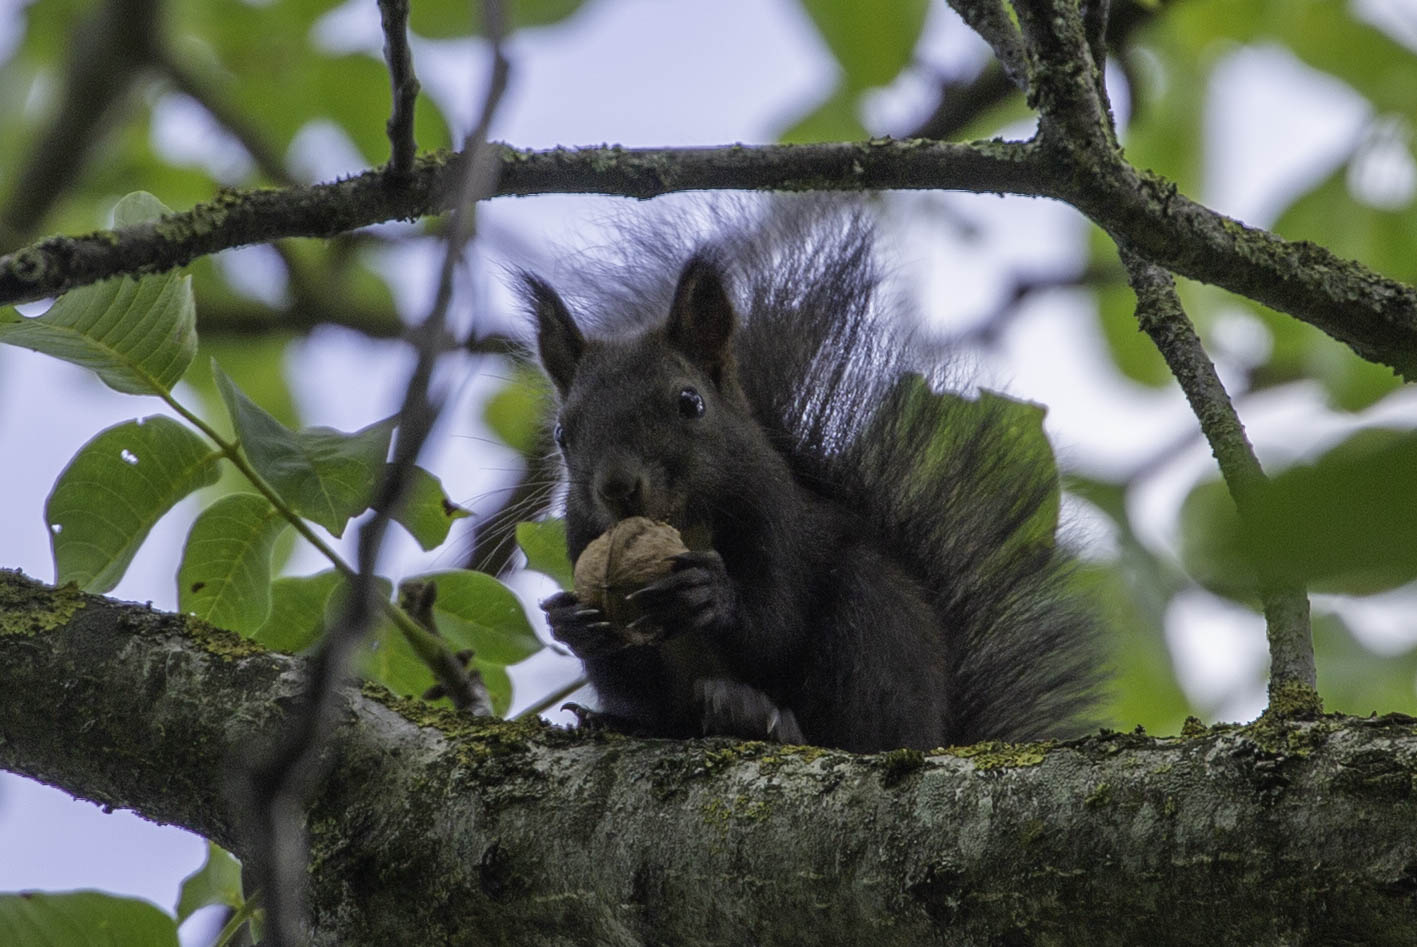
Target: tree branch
(1286, 607)
(439, 829)
(393, 17)
(1373, 314)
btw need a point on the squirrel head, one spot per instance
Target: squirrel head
(652, 423)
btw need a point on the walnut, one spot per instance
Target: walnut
(627, 557)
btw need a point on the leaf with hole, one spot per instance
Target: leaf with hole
(426, 512)
(117, 486)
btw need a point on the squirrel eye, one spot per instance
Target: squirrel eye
(558, 434)
(691, 404)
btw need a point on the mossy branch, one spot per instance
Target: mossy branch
(1375, 315)
(435, 828)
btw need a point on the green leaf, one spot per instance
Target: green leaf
(83, 919)
(441, 19)
(498, 683)
(427, 513)
(299, 607)
(873, 40)
(138, 207)
(117, 486)
(544, 544)
(1346, 523)
(474, 610)
(325, 475)
(516, 413)
(1212, 548)
(1356, 680)
(393, 663)
(225, 576)
(835, 119)
(138, 336)
(218, 881)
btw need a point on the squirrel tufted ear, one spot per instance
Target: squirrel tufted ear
(701, 319)
(558, 342)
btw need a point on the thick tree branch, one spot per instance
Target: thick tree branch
(1286, 607)
(1373, 314)
(435, 829)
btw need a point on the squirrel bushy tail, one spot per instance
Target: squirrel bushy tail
(960, 494)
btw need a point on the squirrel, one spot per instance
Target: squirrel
(870, 578)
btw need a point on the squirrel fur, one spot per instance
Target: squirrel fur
(869, 580)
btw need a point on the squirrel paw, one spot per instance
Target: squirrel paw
(580, 627)
(695, 596)
(732, 708)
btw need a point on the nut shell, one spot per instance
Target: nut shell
(627, 557)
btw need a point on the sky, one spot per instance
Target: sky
(634, 72)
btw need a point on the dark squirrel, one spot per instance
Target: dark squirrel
(872, 578)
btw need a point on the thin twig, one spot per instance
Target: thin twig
(282, 784)
(393, 17)
(990, 20)
(1292, 678)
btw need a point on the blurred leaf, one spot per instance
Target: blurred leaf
(1211, 545)
(218, 881)
(299, 606)
(498, 683)
(1143, 690)
(517, 412)
(1346, 523)
(83, 919)
(872, 40)
(1132, 350)
(117, 486)
(225, 576)
(474, 610)
(441, 19)
(544, 543)
(1355, 680)
(138, 336)
(324, 474)
(835, 119)
(427, 513)
(1327, 36)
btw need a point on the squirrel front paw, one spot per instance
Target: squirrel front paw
(695, 596)
(581, 627)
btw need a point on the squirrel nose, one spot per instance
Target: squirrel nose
(622, 491)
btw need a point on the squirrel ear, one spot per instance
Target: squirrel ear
(558, 342)
(701, 318)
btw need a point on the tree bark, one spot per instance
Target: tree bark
(433, 828)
